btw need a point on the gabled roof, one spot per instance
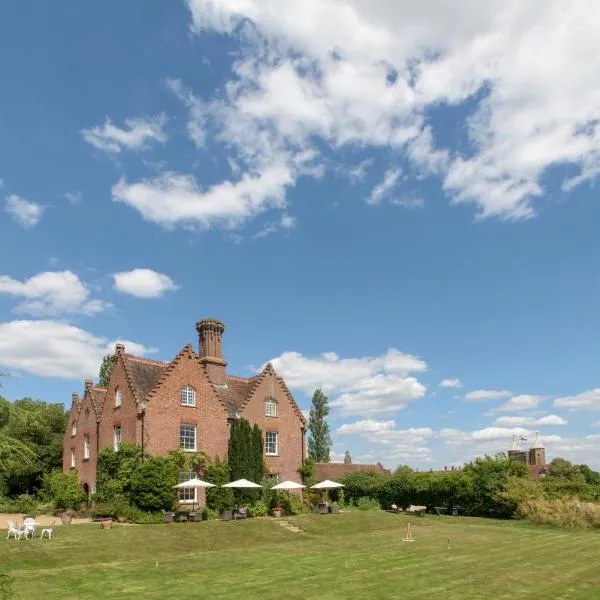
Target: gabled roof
(239, 391)
(234, 393)
(97, 397)
(144, 374)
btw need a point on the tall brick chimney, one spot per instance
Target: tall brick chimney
(210, 333)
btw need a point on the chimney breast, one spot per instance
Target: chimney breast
(210, 334)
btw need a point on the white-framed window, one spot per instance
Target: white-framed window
(86, 446)
(73, 429)
(271, 443)
(187, 495)
(187, 396)
(118, 397)
(270, 408)
(187, 437)
(117, 437)
(72, 457)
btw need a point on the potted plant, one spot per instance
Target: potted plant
(277, 510)
(66, 517)
(106, 522)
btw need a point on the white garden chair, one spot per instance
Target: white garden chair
(12, 530)
(29, 526)
(16, 531)
(49, 530)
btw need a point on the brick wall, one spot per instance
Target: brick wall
(165, 413)
(85, 419)
(287, 424)
(125, 415)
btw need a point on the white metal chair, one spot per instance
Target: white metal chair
(49, 530)
(16, 531)
(29, 526)
(12, 529)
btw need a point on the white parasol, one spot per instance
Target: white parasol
(242, 483)
(193, 483)
(288, 485)
(327, 485)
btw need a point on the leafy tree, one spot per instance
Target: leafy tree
(106, 370)
(40, 426)
(491, 476)
(307, 472)
(591, 477)
(64, 489)
(152, 484)
(14, 453)
(347, 458)
(561, 468)
(319, 441)
(114, 470)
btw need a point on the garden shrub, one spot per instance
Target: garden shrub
(116, 508)
(152, 484)
(260, 509)
(64, 489)
(366, 503)
(218, 498)
(292, 503)
(135, 515)
(208, 514)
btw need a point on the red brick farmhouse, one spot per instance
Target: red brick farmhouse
(187, 403)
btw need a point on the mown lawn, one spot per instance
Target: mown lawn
(352, 555)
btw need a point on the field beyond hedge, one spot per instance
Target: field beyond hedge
(357, 555)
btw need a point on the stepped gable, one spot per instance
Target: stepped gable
(143, 374)
(97, 398)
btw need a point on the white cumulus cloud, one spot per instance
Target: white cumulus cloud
(136, 134)
(588, 400)
(478, 395)
(450, 383)
(52, 349)
(144, 283)
(359, 386)
(24, 212)
(51, 293)
(367, 72)
(522, 421)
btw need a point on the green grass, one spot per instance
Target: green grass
(352, 555)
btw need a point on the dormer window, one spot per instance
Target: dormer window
(270, 408)
(73, 429)
(187, 396)
(118, 397)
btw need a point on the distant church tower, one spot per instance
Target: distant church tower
(537, 453)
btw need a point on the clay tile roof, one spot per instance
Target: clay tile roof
(236, 392)
(144, 373)
(336, 471)
(98, 398)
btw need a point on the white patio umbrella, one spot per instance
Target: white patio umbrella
(288, 485)
(194, 483)
(242, 483)
(327, 485)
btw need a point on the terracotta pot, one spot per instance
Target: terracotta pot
(66, 518)
(277, 513)
(106, 523)
(122, 519)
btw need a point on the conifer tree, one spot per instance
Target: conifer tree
(106, 370)
(319, 441)
(347, 458)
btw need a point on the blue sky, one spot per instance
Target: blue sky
(374, 203)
